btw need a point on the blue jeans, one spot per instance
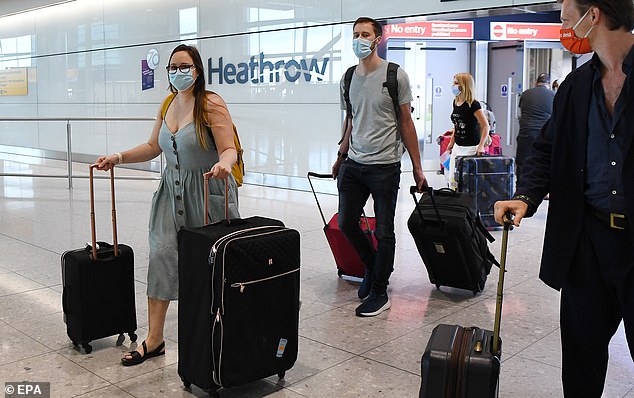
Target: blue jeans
(356, 182)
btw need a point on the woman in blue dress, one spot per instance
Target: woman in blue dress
(196, 136)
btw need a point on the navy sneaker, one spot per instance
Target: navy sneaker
(366, 285)
(374, 305)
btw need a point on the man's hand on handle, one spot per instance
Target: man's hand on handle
(516, 207)
(421, 180)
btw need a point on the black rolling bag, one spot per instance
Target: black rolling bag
(238, 308)
(98, 286)
(489, 178)
(464, 362)
(451, 239)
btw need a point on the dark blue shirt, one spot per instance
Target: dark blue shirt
(606, 141)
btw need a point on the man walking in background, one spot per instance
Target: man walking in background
(536, 106)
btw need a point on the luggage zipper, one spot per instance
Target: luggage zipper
(465, 350)
(232, 239)
(215, 374)
(242, 285)
(213, 253)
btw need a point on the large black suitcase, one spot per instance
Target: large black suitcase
(238, 308)
(489, 178)
(98, 286)
(451, 239)
(464, 362)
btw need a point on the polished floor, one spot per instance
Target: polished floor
(340, 355)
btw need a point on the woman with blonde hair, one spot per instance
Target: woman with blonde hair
(471, 128)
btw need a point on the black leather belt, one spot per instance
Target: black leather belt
(612, 220)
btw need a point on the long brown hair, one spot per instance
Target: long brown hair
(203, 126)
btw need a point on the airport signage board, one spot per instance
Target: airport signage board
(14, 82)
(430, 30)
(525, 31)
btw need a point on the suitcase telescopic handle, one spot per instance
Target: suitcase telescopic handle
(92, 212)
(498, 305)
(429, 190)
(321, 212)
(318, 175)
(206, 188)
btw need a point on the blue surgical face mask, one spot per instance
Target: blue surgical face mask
(182, 81)
(455, 90)
(361, 47)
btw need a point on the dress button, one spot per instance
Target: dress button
(613, 163)
(611, 135)
(177, 167)
(177, 182)
(180, 212)
(178, 197)
(614, 192)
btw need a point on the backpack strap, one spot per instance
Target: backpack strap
(391, 82)
(166, 104)
(347, 80)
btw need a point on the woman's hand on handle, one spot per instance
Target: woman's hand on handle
(516, 207)
(219, 171)
(107, 162)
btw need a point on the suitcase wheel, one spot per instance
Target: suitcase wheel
(87, 347)
(120, 339)
(213, 392)
(281, 375)
(186, 383)
(76, 344)
(438, 286)
(132, 336)
(339, 272)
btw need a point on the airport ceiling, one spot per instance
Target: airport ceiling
(493, 12)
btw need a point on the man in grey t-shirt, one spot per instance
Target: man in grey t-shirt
(369, 162)
(536, 106)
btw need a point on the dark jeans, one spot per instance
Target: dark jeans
(356, 182)
(597, 294)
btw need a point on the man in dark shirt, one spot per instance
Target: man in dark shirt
(584, 157)
(536, 106)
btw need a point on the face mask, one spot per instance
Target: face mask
(573, 43)
(182, 81)
(456, 90)
(362, 48)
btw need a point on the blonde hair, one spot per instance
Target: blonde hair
(465, 81)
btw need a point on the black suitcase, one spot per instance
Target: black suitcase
(238, 308)
(98, 286)
(451, 239)
(490, 178)
(464, 362)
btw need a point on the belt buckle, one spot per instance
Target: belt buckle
(613, 221)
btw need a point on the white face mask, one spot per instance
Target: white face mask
(361, 47)
(181, 81)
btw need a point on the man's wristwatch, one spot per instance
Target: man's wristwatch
(342, 155)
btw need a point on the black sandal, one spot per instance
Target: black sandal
(137, 358)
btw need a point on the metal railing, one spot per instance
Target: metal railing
(69, 152)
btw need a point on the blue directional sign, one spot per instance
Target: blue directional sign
(504, 90)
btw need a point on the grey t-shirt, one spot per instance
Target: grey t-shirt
(375, 138)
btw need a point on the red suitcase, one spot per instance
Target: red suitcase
(443, 141)
(348, 261)
(495, 149)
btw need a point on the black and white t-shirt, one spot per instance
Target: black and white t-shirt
(467, 129)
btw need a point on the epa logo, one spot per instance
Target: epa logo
(27, 390)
